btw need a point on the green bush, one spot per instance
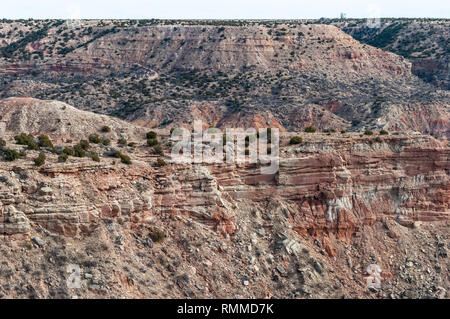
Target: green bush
(160, 162)
(151, 135)
(157, 149)
(2, 143)
(10, 155)
(68, 151)
(63, 158)
(106, 129)
(384, 132)
(84, 144)
(79, 151)
(125, 159)
(106, 141)
(24, 139)
(122, 141)
(368, 132)
(44, 141)
(378, 139)
(296, 140)
(94, 138)
(95, 156)
(152, 142)
(310, 129)
(40, 160)
(157, 236)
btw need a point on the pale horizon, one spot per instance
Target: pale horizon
(231, 9)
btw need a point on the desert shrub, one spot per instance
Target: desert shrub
(40, 160)
(368, 132)
(95, 156)
(79, 151)
(152, 142)
(24, 139)
(125, 159)
(132, 144)
(152, 135)
(10, 155)
(84, 144)
(343, 131)
(94, 138)
(63, 158)
(106, 129)
(247, 152)
(106, 141)
(44, 141)
(157, 236)
(296, 140)
(68, 151)
(160, 162)
(384, 132)
(378, 139)
(158, 150)
(122, 141)
(2, 143)
(310, 129)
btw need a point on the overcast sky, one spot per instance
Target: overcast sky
(224, 9)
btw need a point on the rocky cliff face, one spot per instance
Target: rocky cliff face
(424, 43)
(336, 205)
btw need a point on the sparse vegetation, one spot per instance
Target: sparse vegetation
(151, 135)
(310, 129)
(94, 138)
(44, 141)
(28, 140)
(79, 151)
(106, 129)
(63, 158)
(68, 151)
(368, 132)
(158, 150)
(160, 162)
(152, 142)
(157, 236)
(296, 140)
(10, 155)
(125, 159)
(84, 145)
(95, 156)
(40, 160)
